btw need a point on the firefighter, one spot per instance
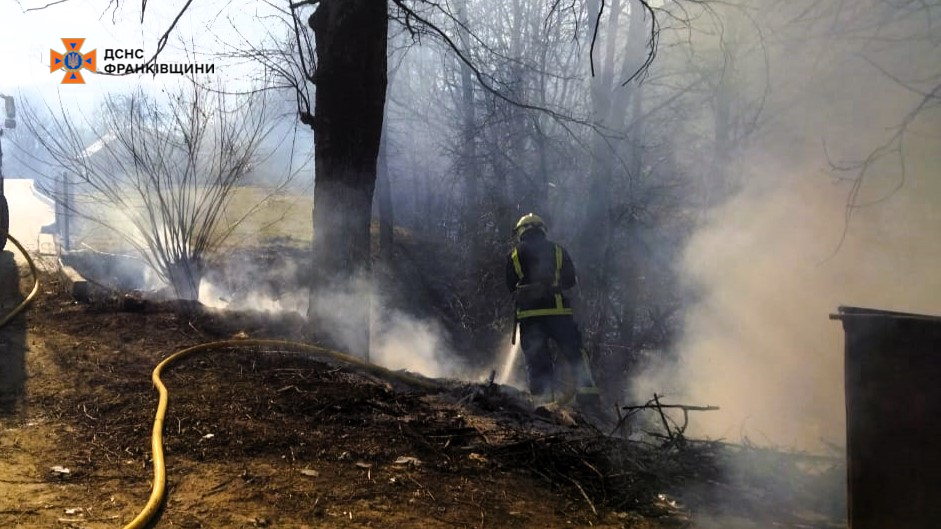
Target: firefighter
(538, 272)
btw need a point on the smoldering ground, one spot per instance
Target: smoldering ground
(274, 281)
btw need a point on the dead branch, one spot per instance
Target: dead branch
(663, 418)
(684, 407)
(591, 504)
(654, 404)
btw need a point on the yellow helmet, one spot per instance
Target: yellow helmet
(527, 222)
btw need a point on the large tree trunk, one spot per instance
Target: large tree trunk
(595, 232)
(349, 102)
(468, 164)
(608, 278)
(384, 202)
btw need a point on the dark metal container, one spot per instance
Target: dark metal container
(893, 418)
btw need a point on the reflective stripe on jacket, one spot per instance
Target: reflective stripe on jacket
(538, 261)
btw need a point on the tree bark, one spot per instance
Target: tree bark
(348, 112)
(385, 208)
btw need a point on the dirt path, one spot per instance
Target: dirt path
(28, 490)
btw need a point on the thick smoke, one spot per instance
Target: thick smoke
(758, 343)
(771, 263)
(398, 339)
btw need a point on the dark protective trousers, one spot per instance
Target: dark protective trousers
(544, 377)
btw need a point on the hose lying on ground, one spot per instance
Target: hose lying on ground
(32, 267)
(160, 472)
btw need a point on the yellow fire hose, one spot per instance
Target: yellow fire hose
(160, 471)
(32, 267)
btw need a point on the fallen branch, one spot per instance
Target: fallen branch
(591, 504)
(655, 404)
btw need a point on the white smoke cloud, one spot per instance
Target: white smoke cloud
(771, 263)
(398, 340)
(759, 342)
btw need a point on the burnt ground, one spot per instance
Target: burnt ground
(267, 438)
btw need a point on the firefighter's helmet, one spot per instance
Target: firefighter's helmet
(528, 222)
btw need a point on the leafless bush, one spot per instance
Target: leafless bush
(162, 174)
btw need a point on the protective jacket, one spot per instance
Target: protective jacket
(539, 271)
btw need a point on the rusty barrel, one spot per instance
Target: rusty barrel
(893, 418)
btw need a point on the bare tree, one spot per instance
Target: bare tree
(162, 175)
